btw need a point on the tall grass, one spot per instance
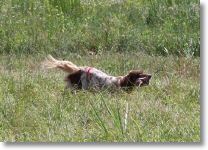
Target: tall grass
(35, 107)
(61, 26)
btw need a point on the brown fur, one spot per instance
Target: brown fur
(75, 79)
(130, 80)
(66, 66)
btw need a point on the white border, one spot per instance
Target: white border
(204, 111)
(204, 74)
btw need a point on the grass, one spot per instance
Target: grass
(160, 27)
(35, 107)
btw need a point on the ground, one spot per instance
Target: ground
(35, 107)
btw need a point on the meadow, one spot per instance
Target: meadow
(156, 27)
(160, 37)
(35, 107)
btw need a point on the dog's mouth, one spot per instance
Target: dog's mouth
(143, 80)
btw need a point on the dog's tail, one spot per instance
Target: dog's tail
(66, 66)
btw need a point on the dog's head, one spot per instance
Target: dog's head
(136, 78)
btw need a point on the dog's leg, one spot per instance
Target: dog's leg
(85, 83)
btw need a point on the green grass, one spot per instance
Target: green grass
(159, 27)
(35, 107)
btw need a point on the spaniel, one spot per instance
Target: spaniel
(90, 77)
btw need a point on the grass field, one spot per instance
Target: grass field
(162, 37)
(35, 107)
(156, 27)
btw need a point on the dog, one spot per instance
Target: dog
(89, 77)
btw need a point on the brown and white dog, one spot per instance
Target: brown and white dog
(89, 77)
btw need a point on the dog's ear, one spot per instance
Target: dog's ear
(131, 78)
